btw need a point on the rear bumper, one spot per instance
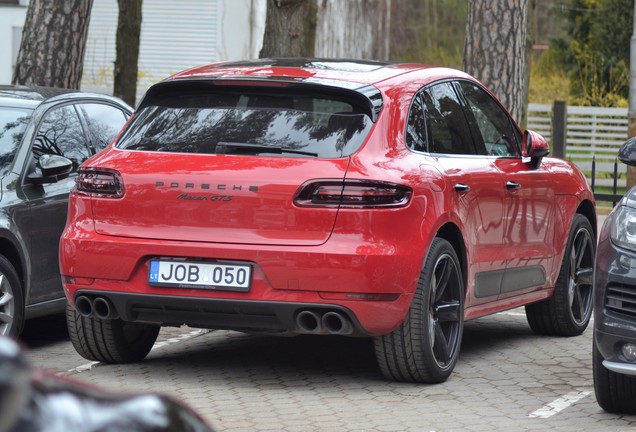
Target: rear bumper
(372, 284)
(213, 313)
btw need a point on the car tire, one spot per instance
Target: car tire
(426, 346)
(568, 311)
(110, 341)
(615, 393)
(11, 300)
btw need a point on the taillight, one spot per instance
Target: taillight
(352, 193)
(100, 182)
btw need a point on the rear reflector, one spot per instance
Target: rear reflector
(100, 182)
(358, 296)
(77, 280)
(352, 193)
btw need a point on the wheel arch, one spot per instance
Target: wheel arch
(9, 250)
(586, 208)
(451, 233)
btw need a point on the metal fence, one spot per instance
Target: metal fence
(591, 138)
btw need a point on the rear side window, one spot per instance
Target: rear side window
(448, 130)
(248, 122)
(415, 130)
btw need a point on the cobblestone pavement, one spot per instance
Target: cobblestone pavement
(507, 379)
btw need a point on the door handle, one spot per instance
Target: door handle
(510, 185)
(461, 188)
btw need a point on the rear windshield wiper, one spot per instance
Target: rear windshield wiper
(243, 148)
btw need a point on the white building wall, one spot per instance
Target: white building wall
(241, 27)
(174, 36)
(99, 56)
(11, 23)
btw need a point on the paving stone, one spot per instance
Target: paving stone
(243, 383)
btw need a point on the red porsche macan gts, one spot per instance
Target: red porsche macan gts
(325, 197)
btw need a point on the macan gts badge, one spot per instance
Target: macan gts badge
(206, 187)
(325, 197)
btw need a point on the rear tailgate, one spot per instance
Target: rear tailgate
(216, 198)
(222, 161)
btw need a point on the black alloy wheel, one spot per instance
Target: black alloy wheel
(425, 347)
(568, 311)
(445, 311)
(580, 293)
(11, 300)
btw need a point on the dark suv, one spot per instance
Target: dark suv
(45, 134)
(614, 350)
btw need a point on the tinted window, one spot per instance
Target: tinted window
(493, 124)
(103, 122)
(12, 125)
(61, 133)
(290, 125)
(415, 131)
(447, 130)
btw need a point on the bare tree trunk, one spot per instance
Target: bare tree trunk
(53, 43)
(128, 31)
(403, 35)
(495, 48)
(530, 40)
(290, 28)
(353, 29)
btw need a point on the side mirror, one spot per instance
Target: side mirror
(54, 165)
(52, 169)
(535, 147)
(627, 152)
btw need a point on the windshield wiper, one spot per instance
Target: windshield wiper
(243, 148)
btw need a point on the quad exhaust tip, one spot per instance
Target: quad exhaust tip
(98, 307)
(84, 306)
(336, 323)
(332, 322)
(307, 321)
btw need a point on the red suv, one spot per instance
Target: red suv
(325, 197)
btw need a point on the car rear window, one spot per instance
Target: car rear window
(248, 122)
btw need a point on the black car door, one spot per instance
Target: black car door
(75, 131)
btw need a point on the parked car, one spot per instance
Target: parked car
(45, 134)
(614, 346)
(33, 400)
(325, 197)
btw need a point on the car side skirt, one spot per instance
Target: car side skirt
(45, 308)
(509, 280)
